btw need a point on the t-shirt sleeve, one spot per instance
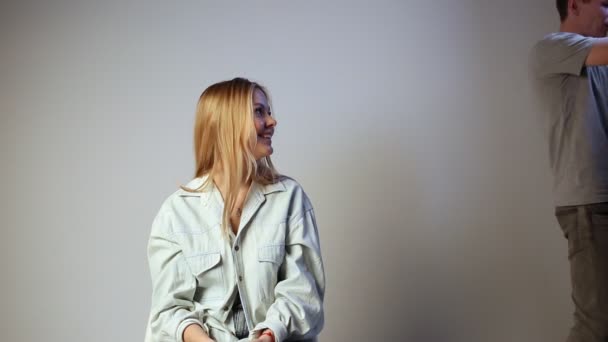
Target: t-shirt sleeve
(560, 53)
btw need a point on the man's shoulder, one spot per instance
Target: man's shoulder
(555, 42)
(561, 37)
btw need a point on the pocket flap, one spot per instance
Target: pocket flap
(201, 263)
(272, 253)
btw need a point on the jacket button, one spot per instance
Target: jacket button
(240, 278)
(225, 308)
(236, 248)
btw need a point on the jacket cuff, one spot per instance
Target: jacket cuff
(179, 333)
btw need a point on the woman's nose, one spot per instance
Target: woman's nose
(270, 121)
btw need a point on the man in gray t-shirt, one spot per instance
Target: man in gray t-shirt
(569, 70)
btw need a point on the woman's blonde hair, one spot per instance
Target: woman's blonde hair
(224, 140)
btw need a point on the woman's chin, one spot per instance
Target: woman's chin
(264, 153)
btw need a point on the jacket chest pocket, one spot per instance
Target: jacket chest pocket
(270, 259)
(210, 282)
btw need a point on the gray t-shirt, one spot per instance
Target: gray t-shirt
(573, 101)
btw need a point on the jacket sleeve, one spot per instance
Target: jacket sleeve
(297, 312)
(173, 286)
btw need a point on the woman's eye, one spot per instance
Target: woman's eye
(258, 111)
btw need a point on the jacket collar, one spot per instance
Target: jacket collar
(256, 188)
(212, 199)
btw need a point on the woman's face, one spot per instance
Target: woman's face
(264, 125)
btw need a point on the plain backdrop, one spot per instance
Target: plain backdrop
(410, 125)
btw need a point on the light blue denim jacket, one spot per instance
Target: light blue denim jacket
(274, 260)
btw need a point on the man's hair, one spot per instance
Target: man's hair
(562, 8)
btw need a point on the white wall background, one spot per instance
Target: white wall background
(409, 123)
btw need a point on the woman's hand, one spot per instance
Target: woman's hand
(266, 336)
(194, 333)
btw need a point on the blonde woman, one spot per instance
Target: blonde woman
(234, 255)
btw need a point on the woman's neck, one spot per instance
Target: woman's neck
(223, 186)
